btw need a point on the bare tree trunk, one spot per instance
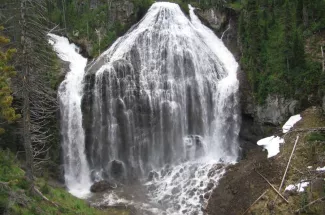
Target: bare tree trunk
(27, 136)
(322, 50)
(305, 14)
(64, 17)
(26, 97)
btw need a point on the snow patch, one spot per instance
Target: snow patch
(300, 187)
(319, 169)
(271, 144)
(290, 123)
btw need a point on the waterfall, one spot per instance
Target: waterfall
(72, 134)
(162, 94)
(161, 101)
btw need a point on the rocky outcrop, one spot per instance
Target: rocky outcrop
(102, 186)
(122, 11)
(223, 21)
(276, 110)
(216, 18)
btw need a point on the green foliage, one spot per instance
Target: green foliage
(272, 35)
(45, 189)
(29, 203)
(8, 168)
(86, 24)
(7, 112)
(316, 136)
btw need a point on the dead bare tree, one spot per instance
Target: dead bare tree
(34, 64)
(323, 58)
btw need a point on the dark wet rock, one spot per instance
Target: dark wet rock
(201, 184)
(207, 195)
(153, 175)
(152, 187)
(216, 169)
(191, 193)
(210, 185)
(117, 168)
(163, 173)
(177, 207)
(102, 186)
(176, 176)
(175, 190)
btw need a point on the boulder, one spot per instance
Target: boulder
(207, 195)
(102, 186)
(175, 190)
(117, 168)
(153, 175)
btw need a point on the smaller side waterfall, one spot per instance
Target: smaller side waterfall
(72, 134)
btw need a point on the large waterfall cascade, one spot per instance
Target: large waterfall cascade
(162, 94)
(161, 100)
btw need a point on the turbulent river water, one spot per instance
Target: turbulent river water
(157, 113)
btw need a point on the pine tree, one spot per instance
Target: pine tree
(7, 112)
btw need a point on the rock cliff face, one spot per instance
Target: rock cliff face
(276, 110)
(122, 11)
(224, 23)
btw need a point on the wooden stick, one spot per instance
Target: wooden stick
(306, 129)
(272, 187)
(288, 164)
(44, 197)
(254, 202)
(309, 204)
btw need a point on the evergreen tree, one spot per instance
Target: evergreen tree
(7, 112)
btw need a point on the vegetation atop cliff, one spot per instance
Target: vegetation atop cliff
(96, 24)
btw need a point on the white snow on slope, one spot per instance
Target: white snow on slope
(291, 122)
(319, 169)
(300, 187)
(271, 144)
